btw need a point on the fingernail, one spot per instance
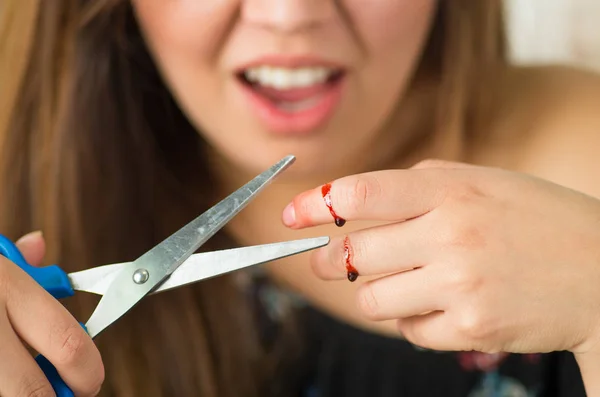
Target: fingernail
(289, 215)
(30, 236)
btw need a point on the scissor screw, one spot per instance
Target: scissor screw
(140, 276)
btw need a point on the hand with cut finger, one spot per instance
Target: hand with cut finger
(468, 258)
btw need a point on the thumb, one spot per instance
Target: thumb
(33, 247)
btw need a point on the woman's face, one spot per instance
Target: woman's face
(261, 79)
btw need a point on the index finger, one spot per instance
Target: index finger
(391, 195)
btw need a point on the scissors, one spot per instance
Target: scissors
(170, 264)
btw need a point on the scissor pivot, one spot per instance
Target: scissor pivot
(140, 276)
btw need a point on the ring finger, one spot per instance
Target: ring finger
(401, 295)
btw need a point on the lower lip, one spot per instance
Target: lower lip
(295, 123)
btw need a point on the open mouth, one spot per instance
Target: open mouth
(292, 100)
(291, 90)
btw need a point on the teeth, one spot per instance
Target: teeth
(284, 78)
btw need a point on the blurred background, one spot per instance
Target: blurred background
(551, 31)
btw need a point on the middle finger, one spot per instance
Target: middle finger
(378, 250)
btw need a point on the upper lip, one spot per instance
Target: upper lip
(290, 62)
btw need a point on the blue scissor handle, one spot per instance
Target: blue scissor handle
(60, 387)
(54, 280)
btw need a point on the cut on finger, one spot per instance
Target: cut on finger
(391, 195)
(375, 251)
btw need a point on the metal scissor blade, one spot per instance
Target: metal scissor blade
(200, 266)
(152, 268)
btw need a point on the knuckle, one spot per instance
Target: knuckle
(356, 198)
(70, 346)
(464, 282)
(367, 302)
(464, 235)
(364, 190)
(440, 163)
(474, 323)
(431, 163)
(468, 192)
(35, 387)
(473, 326)
(70, 343)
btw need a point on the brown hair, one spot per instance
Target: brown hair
(96, 153)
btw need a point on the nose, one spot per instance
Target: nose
(287, 16)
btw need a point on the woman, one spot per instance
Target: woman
(121, 121)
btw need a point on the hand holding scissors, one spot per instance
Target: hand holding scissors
(170, 264)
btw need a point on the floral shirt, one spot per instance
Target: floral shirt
(342, 361)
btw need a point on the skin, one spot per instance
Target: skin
(29, 313)
(510, 256)
(509, 246)
(378, 45)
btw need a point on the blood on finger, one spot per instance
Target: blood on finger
(352, 272)
(339, 221)
(326, 192)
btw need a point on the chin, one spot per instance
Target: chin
(312, 159)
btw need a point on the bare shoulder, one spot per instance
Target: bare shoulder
(546, 122)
